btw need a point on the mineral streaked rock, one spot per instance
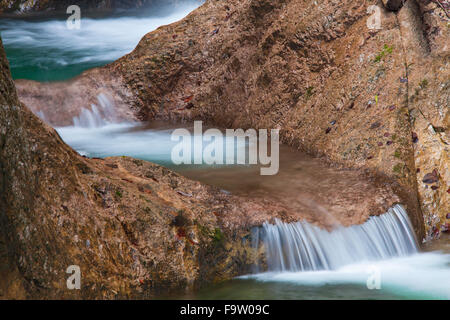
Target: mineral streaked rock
(281, 64)
(428, 62)
(246, 63)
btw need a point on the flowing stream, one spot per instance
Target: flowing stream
(302, 260)
(46, 50)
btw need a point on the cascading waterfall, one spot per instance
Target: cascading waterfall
(97, 116)
(293, 247)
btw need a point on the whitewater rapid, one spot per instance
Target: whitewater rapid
(46, 50)
(385, 246)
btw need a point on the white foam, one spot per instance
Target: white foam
(422, 275)
(98, 40)
(305, 255)
(304, 247)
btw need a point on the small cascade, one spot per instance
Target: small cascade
(97, 116)
(293, 247)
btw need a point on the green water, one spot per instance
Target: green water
(47, 50)
(23, 67)
(399, 281)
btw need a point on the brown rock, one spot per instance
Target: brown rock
(393, 5)
(431, 178)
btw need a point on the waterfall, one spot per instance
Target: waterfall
(97, 116)
(293, 247)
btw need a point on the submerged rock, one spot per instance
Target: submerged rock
(58, 209)
(134, 228)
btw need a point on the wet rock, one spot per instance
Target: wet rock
(431, 178)
(102, 206)
(375, 125)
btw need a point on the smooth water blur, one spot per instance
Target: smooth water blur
(418, 276)
(354, 262)
(301, 246)
(125, 139)
(339, 264)
(48, 51)
(151, 142)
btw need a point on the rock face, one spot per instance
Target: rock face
(364, 89)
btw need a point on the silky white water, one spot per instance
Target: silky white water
(96, 137)
(418, 276)
(303, 247)
(385, 246)
(304, 261)
(46, 50)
